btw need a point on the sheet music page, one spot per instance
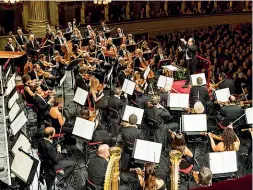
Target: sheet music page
(83, 128)
(128, 87)
(13, 112)
(194, 122)
(179, 100)
(13, 99)
(170, 68)
(184, 100)
(18, 123)
(21, 142)
(80, 96)
(141, 150)
(154, 152)
(8, 72)
(145, 75)
(195, 76)
(223, 162)
(11, 84)
(22, 165)
(63, 79)
(133, 110)
(249, 114)
(222, 95)
(161, 81)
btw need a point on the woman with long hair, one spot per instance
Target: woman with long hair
(229, 141)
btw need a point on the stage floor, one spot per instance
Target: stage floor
(177, 87)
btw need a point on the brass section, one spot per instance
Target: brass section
(112, 172)
(175, 158)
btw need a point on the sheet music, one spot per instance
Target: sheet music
(23, 142)
(163, 81)
(179, 100)
(170, 68)
(223, 162)
(249, 114)
(13, 112)
(133, 110)
(128, 87)
(63, 79)
(145, 75)
(194, 122)
(22, 165)
(18, 123)
(80, 96)
(11, 84)
(12, 100)
(83, 128)
(147, 151)
(195, 76)
(222, 95)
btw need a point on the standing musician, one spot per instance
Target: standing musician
(104, 28)
(75, 36)
(9, 46)
(81, 79)
(21, 39)
(130, 40)
(228, 141)
(32, 47)
(70, 28)
(59, 41)
(190, 54)
(111, 47)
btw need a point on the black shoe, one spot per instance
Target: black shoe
(185, 86)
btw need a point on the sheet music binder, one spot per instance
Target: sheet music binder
(193, 124)
(163, 81)
(21, 142)
(223, 162)
(24, 166)
(83, 129)
(147, 151)
(13, 112)
(13, 99)
(80, 96)
(133, 110)
(195, 76)
(178, 101)
(249, 114)
(18, 123)
(128, 86)
(222, 95)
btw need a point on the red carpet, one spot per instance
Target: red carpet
(177, 86)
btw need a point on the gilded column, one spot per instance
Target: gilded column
(182, 5)
(199, 6)
(147, 10)
(246, 5)
(128, 10)
(106, 11)
(38, 16)
(25, 14)
(166, 6)
(215, 4)
(83, 13)
(231, 4)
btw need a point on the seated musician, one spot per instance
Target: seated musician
(32, 47)
(120, 33)
(104, 28)
(61, 63)
(203, 178)
(162, 116)
(92, 48)
(224, 82)
(130, 40)
(9, 46)
(149, 180)
(159, 57)
(80, 64)
(123, 52)
(96, 91)
(70, 28)
(100, 37)
(28, 89)
(123, 72)
(228, 141)
(144, 47)
(178, 143)
(199, 93)
(75, 36)
(97, 166)
(58, 120)
(90, 62)
(59, 41)
(89, 33)
(121, 64)
(139, 60)
(80, 81)
(42, 102)
(111, 47)
(52, 158)
(21, 38)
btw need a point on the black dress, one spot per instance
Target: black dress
(29, 99)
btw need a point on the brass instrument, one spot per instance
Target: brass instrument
(112, 172)
(175, 159)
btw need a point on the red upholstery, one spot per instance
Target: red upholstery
(59, 171)
(187, 170)
(222, 126)
(94, 143)
(58, 135)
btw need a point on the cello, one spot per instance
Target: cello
(28, 67)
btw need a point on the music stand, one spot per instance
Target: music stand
(128, 87)
(13, 112)
(80, 96)
(11, 84)
(83, 129)
(223, 164)
(195, 76)
(222, 95)
(133, 110)
(146, 151)
(131, 48)
(171, 68)
(249, 113)
(24, 166)
(21, 142)
(18, 123)
(13, 99)
(63, 86)
(117, 41)
(178, 101)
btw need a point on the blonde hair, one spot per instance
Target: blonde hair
(94, 82)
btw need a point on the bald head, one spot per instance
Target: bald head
(117, 91)
(49, 132)
(232, 99)
(103, 151)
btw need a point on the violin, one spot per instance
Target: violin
(100, 87)
(195, 176)
(87, 77)
(43, 73)
(93, 115)
(216, 137)
(138, 171)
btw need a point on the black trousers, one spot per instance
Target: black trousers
(191, 68)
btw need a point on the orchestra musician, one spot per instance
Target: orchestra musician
(75, 36)
(145, 48)
(100, 37)
(29, 86)
(80, 81)
(32, 47)
(111, 47)
(53, 159)
(138, 60)
(89, 33)
(159, 57)
(104, 28)
(190, 54)
(202, 178)
(123, 71)
(59, 41)
(21, 39)
(92, 48)
(9, 46)
(69, 29)
(120, 33)
(130, 40)
(224, 82)
(101, 56)
(123, 52)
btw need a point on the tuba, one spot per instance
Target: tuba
(112, 172)
(175, 159)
